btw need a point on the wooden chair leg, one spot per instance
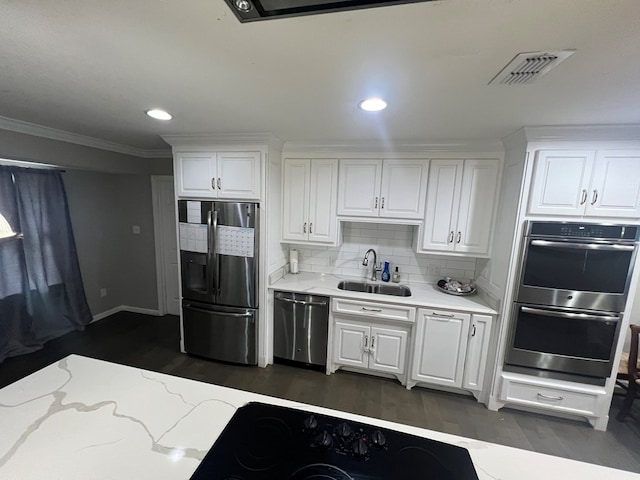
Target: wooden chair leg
(628, 401)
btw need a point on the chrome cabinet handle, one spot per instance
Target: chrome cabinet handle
(376, 205)
(372, 349)
(366, 343)
(550, 397)
(473, 332)
(584, 197)
(371, 309)
(450, 237)
(311, 227)
(595, 197)
(382, 205)
(219, 184)
(213, 183)
(442, 315)
(459, 237)
(304, 228)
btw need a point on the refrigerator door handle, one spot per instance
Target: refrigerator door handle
(215, 263)
(210, 254)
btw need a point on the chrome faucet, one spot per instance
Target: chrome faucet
(376, 268)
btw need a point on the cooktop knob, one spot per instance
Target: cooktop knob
(323, 439)
(378, 438)
(360, 448)
(310, 423)
(344, 430)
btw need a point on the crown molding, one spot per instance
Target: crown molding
(379, 147)
(580, 133)
(213, 140)
(19, 126)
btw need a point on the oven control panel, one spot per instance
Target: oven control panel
(589, 231)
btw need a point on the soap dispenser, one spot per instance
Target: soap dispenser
(386, 275)
(396, 276)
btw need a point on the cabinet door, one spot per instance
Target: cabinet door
(560, 182)
(323, 188)
(295, 208)
(239, 175)
(196, 175)
(443, 197)
(440, 348)
(349, 344)
(359, 187)
(477, 198)
(476, 360)
(615, 185)
(388, 349)
(403, 188)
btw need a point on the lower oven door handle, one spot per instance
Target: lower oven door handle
(583, 246)
(577, 316)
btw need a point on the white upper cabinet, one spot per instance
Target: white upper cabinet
(309, 201)
(238, 175)
(586, 183)
(461, 197)
(232, 175)
(382, 188)
(615, 185)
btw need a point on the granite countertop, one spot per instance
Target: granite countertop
(83, 418)
(422, 295)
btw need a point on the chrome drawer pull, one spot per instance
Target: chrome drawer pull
(371, 309)
(366, 343)
(450, 315)
(550, 397)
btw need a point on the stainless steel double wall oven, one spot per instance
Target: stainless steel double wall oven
(570, 298)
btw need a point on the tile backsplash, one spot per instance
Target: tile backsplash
(393, 244)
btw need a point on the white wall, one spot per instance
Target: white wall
(393, 243)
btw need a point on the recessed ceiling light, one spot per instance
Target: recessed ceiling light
(159, 114)
(372, 104)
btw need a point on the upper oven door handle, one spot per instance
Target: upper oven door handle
(577, 316)
(583, 246)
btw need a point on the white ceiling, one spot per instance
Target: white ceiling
(93, 67)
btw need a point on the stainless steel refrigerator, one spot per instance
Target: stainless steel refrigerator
(219, 269)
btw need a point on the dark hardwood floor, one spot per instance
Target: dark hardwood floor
(152, 343)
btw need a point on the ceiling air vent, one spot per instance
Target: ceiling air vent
(529, 67)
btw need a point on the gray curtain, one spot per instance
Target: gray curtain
(41, 291)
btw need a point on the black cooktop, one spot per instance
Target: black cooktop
(277, 443)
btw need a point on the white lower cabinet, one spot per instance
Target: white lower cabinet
(450, 349)
(371, 335)
(440, 346)
(556, 395)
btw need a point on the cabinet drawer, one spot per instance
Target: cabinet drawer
(578, 399)
(383, 311)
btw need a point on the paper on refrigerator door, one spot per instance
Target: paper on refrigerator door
(193, 238)
(193, 212)
(235, 241)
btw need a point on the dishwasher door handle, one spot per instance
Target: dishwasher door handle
(302, 302)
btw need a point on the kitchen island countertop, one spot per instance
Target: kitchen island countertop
(82, 418)
(422, 295)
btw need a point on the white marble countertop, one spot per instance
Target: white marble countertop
(422, 295)
(82, 418)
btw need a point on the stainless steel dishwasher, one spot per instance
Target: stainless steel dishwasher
(301, 325)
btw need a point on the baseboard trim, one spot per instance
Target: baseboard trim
(125, 308)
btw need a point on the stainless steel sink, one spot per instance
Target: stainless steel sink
(381, 289)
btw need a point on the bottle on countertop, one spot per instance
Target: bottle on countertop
(396, 276)
(386, 275)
